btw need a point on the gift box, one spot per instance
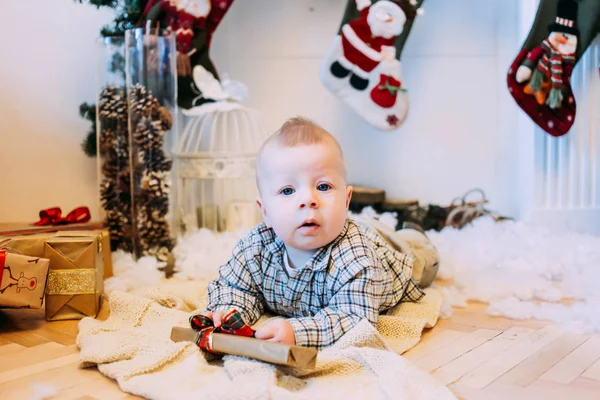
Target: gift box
(30, 241)
(76, 277)
(22, 280)
(103, 236)
(271, 352)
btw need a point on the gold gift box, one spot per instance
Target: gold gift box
(26, 242)
(75, 281)
(272, 352)
(22, 281)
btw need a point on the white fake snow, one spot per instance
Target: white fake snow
(522, 271)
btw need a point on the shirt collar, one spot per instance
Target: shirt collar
(319, 260)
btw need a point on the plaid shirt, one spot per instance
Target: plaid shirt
(356, 276)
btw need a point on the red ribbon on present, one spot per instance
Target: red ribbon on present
(53, 216)
(232, 324)
(2, 262)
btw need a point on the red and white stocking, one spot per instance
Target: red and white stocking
(362, 66)
(539, 79)
(385, 93)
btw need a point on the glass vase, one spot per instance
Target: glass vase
(151, 86)
(112, 142)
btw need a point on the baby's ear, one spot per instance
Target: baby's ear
(349, 190)
(263, 211)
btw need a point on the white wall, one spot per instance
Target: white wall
(460, 132)
(47, 69)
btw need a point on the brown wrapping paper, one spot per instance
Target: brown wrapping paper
(23, 281)
(103, 236)
(21, 228)
(75, 281)
(33, 244)
(276, 353)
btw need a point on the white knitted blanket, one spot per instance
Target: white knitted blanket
(133, 347)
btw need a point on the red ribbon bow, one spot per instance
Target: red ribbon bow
(52, 216)
(232, 324)
(2, 262)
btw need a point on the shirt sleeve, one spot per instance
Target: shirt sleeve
(358, 298)
(235, 288)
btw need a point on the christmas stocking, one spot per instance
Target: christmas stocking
(194, 22)
(362, 66)
(539, 79)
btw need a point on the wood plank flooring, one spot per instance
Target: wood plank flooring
(476, 355)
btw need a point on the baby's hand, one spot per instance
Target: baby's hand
(278, 330)
(217, 317)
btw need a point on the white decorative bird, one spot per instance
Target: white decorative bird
(226, 94)
(211, 88)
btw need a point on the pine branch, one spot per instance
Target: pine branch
(101, 3)
(88, 145)
(88, 112)
(127, 14)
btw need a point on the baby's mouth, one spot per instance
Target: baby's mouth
(309, 224)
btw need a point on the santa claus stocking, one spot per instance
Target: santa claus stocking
(539, 79)
(194, 22)
(362, 67)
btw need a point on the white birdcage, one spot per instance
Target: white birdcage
(214, 160)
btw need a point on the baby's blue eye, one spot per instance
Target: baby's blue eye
(323, 187)
(287, 191)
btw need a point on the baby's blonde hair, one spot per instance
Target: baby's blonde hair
(297, 131)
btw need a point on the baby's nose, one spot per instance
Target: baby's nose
(310, 200)
(311, 204)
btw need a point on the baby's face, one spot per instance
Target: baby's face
(304, 196)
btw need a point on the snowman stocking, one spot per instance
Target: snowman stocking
(194, 22)
(362, 66)
(539, 78)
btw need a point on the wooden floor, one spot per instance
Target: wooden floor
(484, 357)
(477, 356)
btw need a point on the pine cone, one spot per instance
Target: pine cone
(155, 107)
(159, 205)
(115, 166)
(117, 154)
(165, 117)
(155, 161)
(114, 194)
(110, 168)
(142, 101)
(119, 225)
(153, 230)
(148, 134)
(155, 184)
(112, 103)
(154, 235)
(108, 194)
(107, 139)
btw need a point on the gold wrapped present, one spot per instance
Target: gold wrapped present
(22, 280)
(75, 281)
(272, 352)
(31, 242)
(103, 237)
